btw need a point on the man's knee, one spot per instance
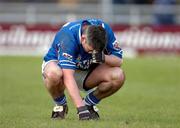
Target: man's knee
(117, 78)
(53, 76)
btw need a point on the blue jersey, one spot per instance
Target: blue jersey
(68, 50)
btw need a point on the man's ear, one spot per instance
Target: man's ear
(83, 38)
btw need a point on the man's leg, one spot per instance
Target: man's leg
(53, 81)
(107, 79)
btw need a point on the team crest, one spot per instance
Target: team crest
(78, 58)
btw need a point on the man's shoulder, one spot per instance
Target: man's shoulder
(71, 25)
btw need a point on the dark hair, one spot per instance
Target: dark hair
(96, 37)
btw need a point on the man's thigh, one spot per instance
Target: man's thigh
(100, 74)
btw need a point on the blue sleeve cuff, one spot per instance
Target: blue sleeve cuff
(66, 66)
(118, 55)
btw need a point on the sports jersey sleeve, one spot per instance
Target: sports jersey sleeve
(113, 47)
(67, 51)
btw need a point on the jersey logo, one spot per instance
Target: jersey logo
(67, 56)
(116, 46)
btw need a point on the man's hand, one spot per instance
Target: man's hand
(84, 113)
(98, 57)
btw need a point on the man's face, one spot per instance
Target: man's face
(88, 48)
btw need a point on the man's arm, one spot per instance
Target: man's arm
(72, 88)
(113, 60)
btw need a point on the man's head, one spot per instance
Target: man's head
(93, 38)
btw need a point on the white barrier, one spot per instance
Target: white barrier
(25, 40)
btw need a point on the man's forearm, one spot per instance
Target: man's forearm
(72, 88)
(74, 92)
(113, 61)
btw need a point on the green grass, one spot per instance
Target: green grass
(150, 97)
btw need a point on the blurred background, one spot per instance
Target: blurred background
(27, 27)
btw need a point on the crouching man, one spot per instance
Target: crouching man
(83, 56)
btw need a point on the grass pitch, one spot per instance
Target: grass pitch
(150, 97)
